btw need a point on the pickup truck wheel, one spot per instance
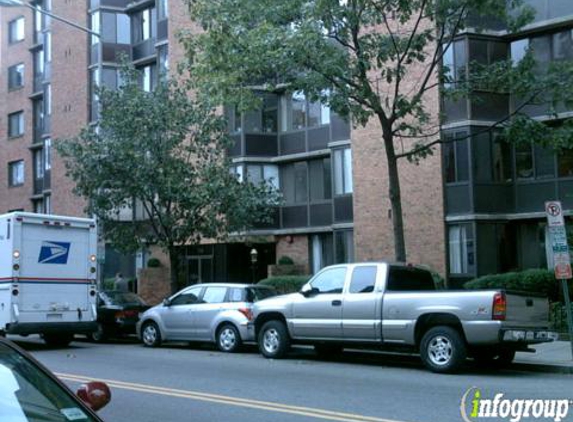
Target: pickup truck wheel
(443, 349)
(150, 334)
(274, 340)
(58, 340)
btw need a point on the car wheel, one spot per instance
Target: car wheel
(228, 338)
(274, 340)
(495, 359)
(99, 335)
(443, 349)
(58, 340)
(150, 334)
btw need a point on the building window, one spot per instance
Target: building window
(48, 47)
(456, 158)
(16, 173)
(519, 50)
(344, 246)
(95, 27)
(47, 154)
(162, 9)
(143, 25)
(16, 124)
(38, 110)
(534, 161)
(16, 76)
(258, 173)
(38, 68)
(38, 22)
(47, 204)
(38, 164)
(454, 62)
(297, 112)
(321, 251)
(461, 249)
(163, 61)
(48, 99)
(320, 180)
(294, 183)
(501, 159)
(343, 171)
(16, 30)
(38, 206)
(148, 77)
(116, 28)
(565, 162)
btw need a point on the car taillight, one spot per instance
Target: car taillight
(499, 307)
(248, 313)
(120, 314)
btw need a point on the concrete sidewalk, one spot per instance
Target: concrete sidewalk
(550, 357)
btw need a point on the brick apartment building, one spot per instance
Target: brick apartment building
(476, 208)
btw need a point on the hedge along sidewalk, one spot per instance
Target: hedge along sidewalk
(286, 283)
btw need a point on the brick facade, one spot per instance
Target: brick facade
(295, 247)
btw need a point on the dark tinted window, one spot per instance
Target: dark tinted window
(122, 298)
(255, 294)
(363, 280)
(403, 279)
(187, 298)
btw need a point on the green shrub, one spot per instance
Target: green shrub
(286, 283)
(535, 281)
(153, 263)
(108, 283)
(286, 260)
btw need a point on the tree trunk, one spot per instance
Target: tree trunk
(174, 263)
(395, 196)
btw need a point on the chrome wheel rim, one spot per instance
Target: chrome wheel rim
(149, 335)
(227, 338)
(440, 350)
(271, 341)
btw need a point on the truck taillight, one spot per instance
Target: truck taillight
(248, 313)
(499, 307)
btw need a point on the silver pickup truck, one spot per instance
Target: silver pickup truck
(397, 306)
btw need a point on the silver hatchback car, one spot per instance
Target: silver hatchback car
(212, 312)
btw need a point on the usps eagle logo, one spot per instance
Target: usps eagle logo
(54, 253)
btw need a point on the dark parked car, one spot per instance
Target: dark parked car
(29, 392)
(117, 314)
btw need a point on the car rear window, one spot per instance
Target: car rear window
(254, 294)
(404, 279)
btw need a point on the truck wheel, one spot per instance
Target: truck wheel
(274, 340)
(58, 340)
(228, 338)
(494, 359)
(150, 334)
(443, 349)
(98, 335)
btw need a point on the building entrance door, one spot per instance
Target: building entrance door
(199, 269)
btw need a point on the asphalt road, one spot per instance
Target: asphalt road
(196, 383)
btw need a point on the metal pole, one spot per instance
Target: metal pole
(59, 18)
(569, 311)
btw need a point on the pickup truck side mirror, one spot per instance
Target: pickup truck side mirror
(166, 302)
(307, 290)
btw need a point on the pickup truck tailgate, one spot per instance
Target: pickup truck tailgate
(525, 310)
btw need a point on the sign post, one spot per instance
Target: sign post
(561, 259)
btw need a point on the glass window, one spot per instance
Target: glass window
(519, 50)
(16, 124)
(270, 113)
(38, 63)
(236, 295)
(271, 175)
(329, 281)
(214, 295)
(298, 111)
(38, 109)
(408, 279)
(501, 159)
(48, 99)
(544, 162)
(48, 47)
(47, 153)
(38, 205)
(344, 246)
(456, 158)
(187, 298)
(16, 173)
(524, 161)
(48, 204)
(322, 251)
(16, 76)
(461, 249)
(563, 45)
(162, 9)
(38, 164)
(565, 160)
(96, 27)
(320, 180)
(343, 171)
(163, 61)
(148, 77)
(16, 30)
(363, 280)
(123, 25)
(300, 182)
(448, 66)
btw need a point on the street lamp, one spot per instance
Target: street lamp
(254, 258)
(20, 3)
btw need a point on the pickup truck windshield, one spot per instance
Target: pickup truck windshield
(405, 279)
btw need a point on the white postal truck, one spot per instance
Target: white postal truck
(48, 268)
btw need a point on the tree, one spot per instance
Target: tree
(370, 60)
(163, 153)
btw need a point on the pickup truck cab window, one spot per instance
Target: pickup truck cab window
(363, 280)
(329, 281)
(404, 279)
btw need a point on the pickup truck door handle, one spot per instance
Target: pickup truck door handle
(336, 303)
